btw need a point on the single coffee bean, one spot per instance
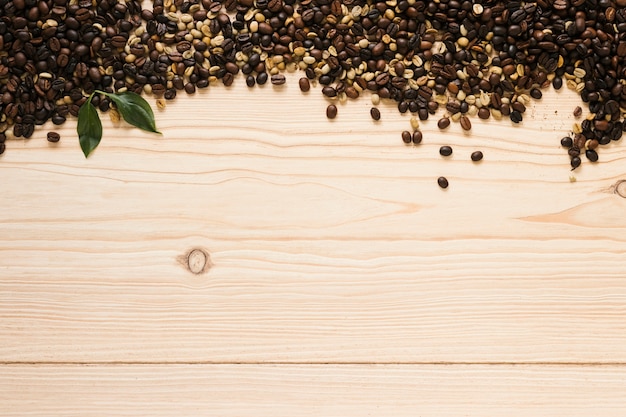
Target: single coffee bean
(250, 80)
(417, 137)
(375, 113)
(443, 123)
(578, 111)
(465, 123)
(407, 137)
(591, 155)
(445, 151)
(53, 137)
(567, 142)
(477, 156)
(278, 79)
(575, 162)
(304, 84)
(516, 116)
(443, 182)
(331, 111)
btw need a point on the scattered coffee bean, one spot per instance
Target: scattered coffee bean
(575, 162)
(578, 111)
(304, 84)
(375, 113)
(445, 151)
(53, 137)
(331, 111)
(591, 155)
(443, 123)
(477, 156)
(567, 142)
(417, 137)
(465, 123)
(407, 137)
(278, 79)
(443, 182)
(516, 116)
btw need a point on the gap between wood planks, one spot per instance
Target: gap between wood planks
(274, 363)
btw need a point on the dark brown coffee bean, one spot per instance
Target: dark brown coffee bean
(466, 124)
(442, 182)
(375, 113)
(53, 137)
(278, 79)
(331, 111)
(304, 84)
(417, 137)
(445, 151)
(578, 111)
(477, 156)
(443, 123)
(407, 137)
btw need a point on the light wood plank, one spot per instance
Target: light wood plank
(328, 241)
(342, 391)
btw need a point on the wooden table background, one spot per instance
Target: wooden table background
(340, 279)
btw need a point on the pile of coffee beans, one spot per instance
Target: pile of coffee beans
(481, 58)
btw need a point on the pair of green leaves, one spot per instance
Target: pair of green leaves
(131, 106)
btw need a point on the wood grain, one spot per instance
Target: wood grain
(324, 241)
(246, 390)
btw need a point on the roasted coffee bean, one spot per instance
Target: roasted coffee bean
(591, 155)
(567, 142)
(578, 111)
(466, 124)
(442, 182)
(278, 79)
(331, 111)
(53, 137)
(407, 137)
(417, 137)
(516, 116)
(304, 84)
(443, 123)
(477, 156)
(445, 151)
(375, 113)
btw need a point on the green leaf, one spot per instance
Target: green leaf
(89, 127)
(135, 110)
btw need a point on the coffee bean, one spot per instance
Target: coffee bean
(575, 162)
(443, 123)
(516, 116)
(465, 123)
(445, 151)
(407, 137)
(567, 142)
(278, 79)
(477, 156)
(591, 155)
(331, 111)
(304, 84)
(53, 137)
(375, 113)
(417, 137)
(442, 182)
(578, 111)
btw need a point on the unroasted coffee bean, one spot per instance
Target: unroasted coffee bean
(445, 151)
(53, 137)
(442, 182)
(375, 113)
(331, 111)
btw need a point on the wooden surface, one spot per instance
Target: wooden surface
(340, 280)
